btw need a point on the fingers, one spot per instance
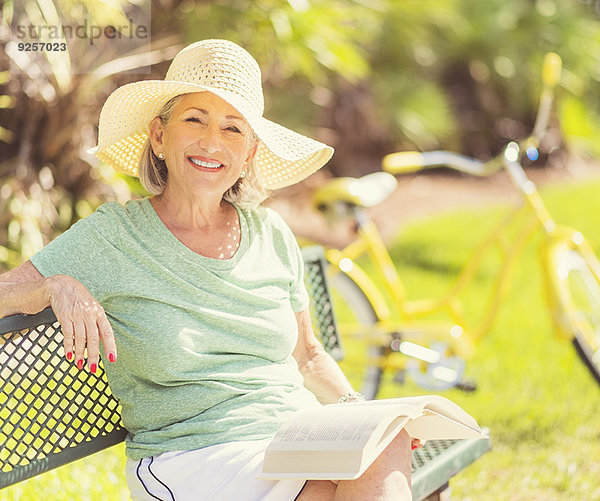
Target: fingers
(416, 443)
(89, 327)
(84, 323)
(92, 336)
(107, 337)
(67, 329)
(80, 336)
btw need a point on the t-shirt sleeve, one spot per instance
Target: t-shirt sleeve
(289, 251)
(86, 252)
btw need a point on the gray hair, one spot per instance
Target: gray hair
(247, 192)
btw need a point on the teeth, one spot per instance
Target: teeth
(210, 165)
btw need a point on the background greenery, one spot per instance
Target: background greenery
(369, 78)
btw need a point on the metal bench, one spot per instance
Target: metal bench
(51, 413)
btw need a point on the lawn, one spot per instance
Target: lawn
(533, 392)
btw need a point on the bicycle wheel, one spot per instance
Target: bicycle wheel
(580, 302)
(353, 310)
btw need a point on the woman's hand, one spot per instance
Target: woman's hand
(83, 321)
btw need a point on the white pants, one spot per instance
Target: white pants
(223, 472)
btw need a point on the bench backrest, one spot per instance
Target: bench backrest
(52, 413)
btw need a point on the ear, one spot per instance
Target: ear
(156, 135)
(252, 152)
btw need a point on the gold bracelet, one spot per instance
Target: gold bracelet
(353, 396)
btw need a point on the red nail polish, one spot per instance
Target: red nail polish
(93, 368)
(414, 447)
(69, 355)
(111, 357)
(80, 364)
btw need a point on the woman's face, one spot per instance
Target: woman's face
(206, 144)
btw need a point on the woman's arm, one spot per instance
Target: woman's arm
(83, 321)
(322, 375)
(23, 290)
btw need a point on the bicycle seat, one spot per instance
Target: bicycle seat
(365, 191)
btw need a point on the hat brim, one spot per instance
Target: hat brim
(283, 157)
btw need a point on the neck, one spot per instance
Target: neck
(196, 213)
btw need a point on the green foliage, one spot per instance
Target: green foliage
(367, 77)
(484, 59)
(47, 182)
(300, 38)
(580, 125)
(406, 72)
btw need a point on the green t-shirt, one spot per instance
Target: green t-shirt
(204, 345)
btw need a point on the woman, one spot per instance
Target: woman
(212, 348)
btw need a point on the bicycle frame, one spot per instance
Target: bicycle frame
(401, 315)
(390, 322)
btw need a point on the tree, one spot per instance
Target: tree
(52, 101)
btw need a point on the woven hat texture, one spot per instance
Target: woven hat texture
(284, 157)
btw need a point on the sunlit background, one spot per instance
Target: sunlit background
(368, 77)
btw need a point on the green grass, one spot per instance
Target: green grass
(533, 393)
(95, 478)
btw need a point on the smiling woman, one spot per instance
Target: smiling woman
(247, 191)
(198, 289)
(206, 133)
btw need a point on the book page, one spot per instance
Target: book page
(342, 440)
(434, 426)
(436, 403)
(339, 460)
(344, 426)
(312, 465)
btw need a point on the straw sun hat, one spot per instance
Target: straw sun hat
(283, 157)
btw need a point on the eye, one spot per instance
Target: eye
(194, 119)
(233, 128)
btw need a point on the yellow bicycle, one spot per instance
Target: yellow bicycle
(397, 333)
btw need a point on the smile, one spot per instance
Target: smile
(205, 164)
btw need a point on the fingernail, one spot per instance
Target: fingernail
(69, 355)
(112, 357)
(80, 364)
(93, 368)
(414, 447)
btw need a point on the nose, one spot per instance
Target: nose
(211, 140)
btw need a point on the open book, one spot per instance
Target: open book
(340, 441)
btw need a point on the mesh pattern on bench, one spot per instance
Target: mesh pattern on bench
(430, 451)
(321, 311)
(47, 405)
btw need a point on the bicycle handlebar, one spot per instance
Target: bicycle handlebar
(405, 162)
(551, 69)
